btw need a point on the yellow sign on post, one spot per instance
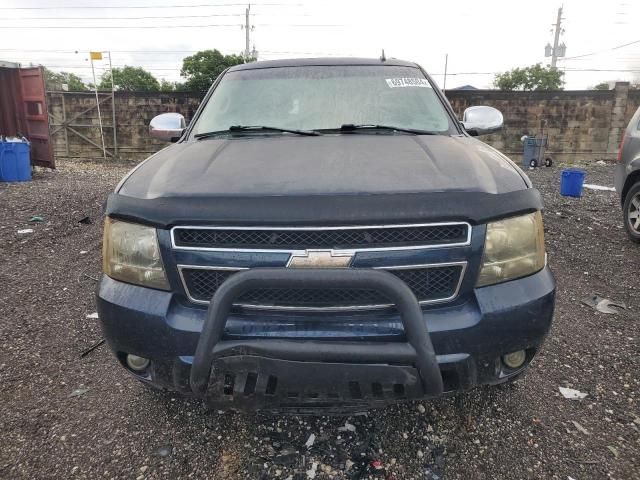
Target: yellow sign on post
(96, 55)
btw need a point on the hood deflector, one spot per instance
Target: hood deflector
(324, 210)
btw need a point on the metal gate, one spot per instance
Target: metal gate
(76, 123)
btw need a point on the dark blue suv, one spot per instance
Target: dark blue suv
(325, 235)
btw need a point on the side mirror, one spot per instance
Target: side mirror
(167, 126)
(482, 120)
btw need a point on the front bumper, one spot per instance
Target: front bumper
(468, 339)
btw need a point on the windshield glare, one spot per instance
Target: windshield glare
(325, 97)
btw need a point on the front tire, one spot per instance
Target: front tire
(631, 212)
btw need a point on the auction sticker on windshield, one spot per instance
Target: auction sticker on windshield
(407, 82)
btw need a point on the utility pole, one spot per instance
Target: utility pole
(558, 49)
(247, 29)
(556, 39)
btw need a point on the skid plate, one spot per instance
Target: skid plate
(250, 383)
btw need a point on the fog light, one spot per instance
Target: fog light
(137, 363)
(515, 359)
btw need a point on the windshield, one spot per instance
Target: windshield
(325, 97)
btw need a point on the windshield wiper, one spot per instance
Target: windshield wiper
(255, 128)
(350, 127)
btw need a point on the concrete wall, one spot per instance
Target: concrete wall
(133, 111)
(582, 126)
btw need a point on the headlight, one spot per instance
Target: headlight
(130, 253)
(513, 248)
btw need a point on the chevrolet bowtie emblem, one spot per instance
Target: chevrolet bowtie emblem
(320, 259)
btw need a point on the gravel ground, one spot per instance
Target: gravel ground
(67, 416)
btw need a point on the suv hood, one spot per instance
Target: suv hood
(361, 163)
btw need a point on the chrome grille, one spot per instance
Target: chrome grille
(429, 283)
(263, 238)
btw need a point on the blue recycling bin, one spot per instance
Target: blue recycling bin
(571, 181)
(15, 163)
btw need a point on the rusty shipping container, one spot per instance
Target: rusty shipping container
(23, 109)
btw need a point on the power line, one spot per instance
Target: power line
(116, 66)
(91, 27)
(223, 49)
(103, 7)
(113, 51)
(603, 51)
(146, 17)
(432, 74)
(162, 52)
(615, 59)
(601, 70)
(130, 18)
(565, 69)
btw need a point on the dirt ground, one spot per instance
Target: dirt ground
(67, 416)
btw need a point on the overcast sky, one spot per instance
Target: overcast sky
(480, 37)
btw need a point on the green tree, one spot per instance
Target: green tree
(167, 86)
(55, 81)
(202, 68)
(602, 86)
(130, 79)
(535, 77)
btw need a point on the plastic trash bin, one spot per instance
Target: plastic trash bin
(533, 153)
(571, 181)
(15, 164)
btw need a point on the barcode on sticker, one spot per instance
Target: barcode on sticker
(407, 82)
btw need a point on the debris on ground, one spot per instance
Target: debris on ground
(164, 451)
(85, 221)
(36, 218)
(431, 475)
(90, 349)
(78, 391)
(311, 473)
(580, 428)
(591, 186)
(310, 441)
(348, 427)
(604, 305)
(93, 315)
(571, 394)
(25, 231)
(86, 275)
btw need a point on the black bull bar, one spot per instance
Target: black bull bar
(307, 363)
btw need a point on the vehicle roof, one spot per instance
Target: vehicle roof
(323, 62)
